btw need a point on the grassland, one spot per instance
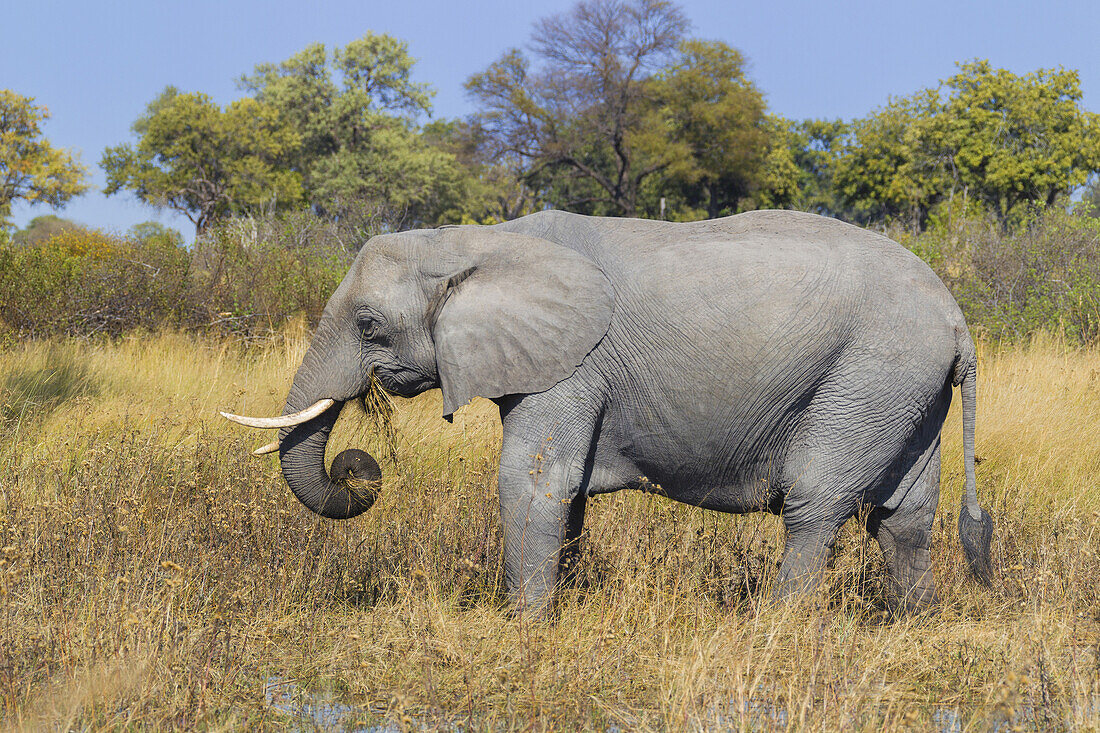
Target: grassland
(154, 575)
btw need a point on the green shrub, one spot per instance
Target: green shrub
(245, 276)
(1043, 275)
(253, 274)
(81, 282)
(248, 276)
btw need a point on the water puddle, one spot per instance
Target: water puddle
(323, 711)
(313, 711)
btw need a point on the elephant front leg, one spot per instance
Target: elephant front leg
(541, 486)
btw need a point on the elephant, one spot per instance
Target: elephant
(770, 361)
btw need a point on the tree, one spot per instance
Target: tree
(42, 228)
(799, 166)
(486, 189)
(355, 110)
(710, 118)
(1004, 141)
(31, 169)
(1013, 140)
(780, 179)
(576, 124)
(887, 169)
(205, 162)
(491, 187)
(1090, 199)
(154, 232)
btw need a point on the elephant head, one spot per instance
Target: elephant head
(472, 310)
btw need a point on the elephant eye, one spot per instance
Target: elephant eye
(368, 324)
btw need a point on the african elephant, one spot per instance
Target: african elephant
(770, 361)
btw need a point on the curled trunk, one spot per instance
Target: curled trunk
(326, 372)
(302, 456)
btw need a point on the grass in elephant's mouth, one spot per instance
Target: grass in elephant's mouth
(153, 574)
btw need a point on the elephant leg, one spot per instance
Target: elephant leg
(823, 495)
(806, 553)
(571, 548)
(904, 534)
(543, 477)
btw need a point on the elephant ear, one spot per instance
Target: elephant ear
(514, 315)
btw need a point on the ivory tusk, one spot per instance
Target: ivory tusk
(285, 421)
(265, 449)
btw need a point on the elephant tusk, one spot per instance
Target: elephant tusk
(286, 421)
(265, 449)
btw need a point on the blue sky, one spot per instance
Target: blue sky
(96, 64)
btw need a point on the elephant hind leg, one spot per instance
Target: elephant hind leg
(820, 502)
(805, 555)
(908, 562)
(905, 535)
(569, 558)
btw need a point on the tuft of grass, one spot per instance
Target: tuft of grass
(154, 575)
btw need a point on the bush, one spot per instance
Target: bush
(246, 276)
(81, 282)
(1043, 275)
(253, 274)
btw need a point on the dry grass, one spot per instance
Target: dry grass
(154, 575)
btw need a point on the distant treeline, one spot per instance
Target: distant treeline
(613, 110)
(615, 113)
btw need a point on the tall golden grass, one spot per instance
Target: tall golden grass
(154, 575)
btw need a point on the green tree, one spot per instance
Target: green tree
(1090, 199)
(489, 188)
(887, 168)
(576, 124)
(1014, 140)
(1004, 141)
(711, 117)
(205, 162)
(356, 113)
(148, 232)
(41, 228)
(799, 165)
(778, 185)
(31, 169)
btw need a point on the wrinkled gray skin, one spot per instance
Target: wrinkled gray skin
(770, 361)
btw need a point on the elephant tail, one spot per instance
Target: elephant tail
(975, 523)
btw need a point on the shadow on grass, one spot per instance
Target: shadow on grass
(41, 383)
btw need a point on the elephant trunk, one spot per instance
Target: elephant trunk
(350, 487)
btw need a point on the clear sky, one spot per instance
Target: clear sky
(96, 63)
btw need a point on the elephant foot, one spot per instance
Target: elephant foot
(805, 558)
(912, 585)
(914, 594)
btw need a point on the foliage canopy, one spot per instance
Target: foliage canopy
(577, 123)
(205, 162)
(355, 110)
(618, 111)
(1003, 140)
(30, 168)
(710, 120)
(611, 110)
